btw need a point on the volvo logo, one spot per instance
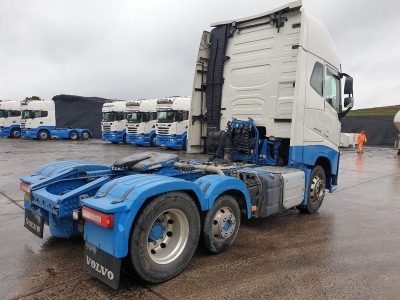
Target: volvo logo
(99, 268)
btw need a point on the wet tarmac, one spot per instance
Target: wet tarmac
(350, 249)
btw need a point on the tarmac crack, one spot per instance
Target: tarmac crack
(12, 200)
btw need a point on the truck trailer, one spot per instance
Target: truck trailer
(267, 96)
(172, 122)
(38, 121)
(141, 122)
(10, 118)
(113, 125)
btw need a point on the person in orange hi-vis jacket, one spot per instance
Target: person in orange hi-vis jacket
(361, 139)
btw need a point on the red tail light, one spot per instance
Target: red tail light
(24, 187)
(99, 218)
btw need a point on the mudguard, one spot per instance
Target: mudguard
(124, 197)
(214, 185)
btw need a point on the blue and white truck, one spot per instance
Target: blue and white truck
(38, 121)
(113, 125)
(172, 122)
(10, 118)
(272, 127)
(141, 122)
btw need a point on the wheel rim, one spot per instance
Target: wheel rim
(16, 134)
(224, 224)
(85, 135)
(168, 236)
(43, 135)
(74, 136)
(317, 190)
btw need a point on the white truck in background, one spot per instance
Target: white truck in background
(348, 140)
(10, 118)
(38, 121)
(172, 122)
(113, 125)
(397, 124)
(141, 122)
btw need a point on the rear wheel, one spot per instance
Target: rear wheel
(221, 224)
(153, 140)
(124, 139)
(73, 135)
(85, 135)
(164, 237)
(15, 133)
(43, 135)
(316, 191)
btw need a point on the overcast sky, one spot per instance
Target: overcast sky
(148, 48)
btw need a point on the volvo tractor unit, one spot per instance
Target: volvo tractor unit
(267, 103)
(172, 122)
(10, 119)
(113, 125)
(141, 122)
(38, 121)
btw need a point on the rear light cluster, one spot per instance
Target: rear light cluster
(97, 217)
(24, 187)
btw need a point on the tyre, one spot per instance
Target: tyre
(124, 139)
(15, 133)
(221, 224)
(85, 135)
(164, 237)
(73, 135)
(153, 140)
(43, 135)
(316, 191)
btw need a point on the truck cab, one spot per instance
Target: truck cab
(284, 75)
(10, 119)
(141, 122)
(113, 125)
(38, 118)
(172, 122)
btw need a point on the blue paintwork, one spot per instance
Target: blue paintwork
(135, 190)
(212, 186)
(141, 139)
(63, 133)
(32, 133)
(113, 136)
(6, 131)
(55, 190)
(171, 141)
(54, 133)
(305, 157)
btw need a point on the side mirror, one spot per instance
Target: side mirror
(146, 117)
(348, 102)
(179, 116)
(119, 116)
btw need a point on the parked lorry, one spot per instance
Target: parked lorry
(141, 122)
(38, 121)
(280, 69)
(113, 125)
(397, 124)
(10, 119)
(172, 122)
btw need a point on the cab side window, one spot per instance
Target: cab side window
(333, 95)
(317, 78)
